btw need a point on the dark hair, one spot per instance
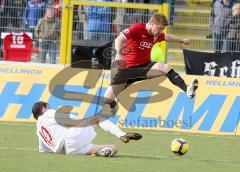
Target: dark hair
(37, 109)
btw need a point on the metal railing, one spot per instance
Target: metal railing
(208, 32)
(76, 19)
(112, 18)
(24, 16)
(77, 16)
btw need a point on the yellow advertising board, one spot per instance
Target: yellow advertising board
(154, 104)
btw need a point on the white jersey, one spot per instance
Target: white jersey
(50, 133)
(57, 138)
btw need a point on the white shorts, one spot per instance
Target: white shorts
(79, 140)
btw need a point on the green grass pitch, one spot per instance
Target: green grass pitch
(18, 152)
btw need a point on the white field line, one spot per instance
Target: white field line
(18, 124)
(179, 158)
(28, 149)
(160, 157)
(189, 134)
(152, 132)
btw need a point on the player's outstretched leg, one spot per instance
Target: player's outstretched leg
(177, 80)
(130, 136)
(191, 88)
(160, 69)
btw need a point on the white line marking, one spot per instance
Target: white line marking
(177, 158)
(31, 149)
(145, 156)
(18, 124)
(153, 132)
(189, 134)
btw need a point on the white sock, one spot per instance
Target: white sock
(111, 128)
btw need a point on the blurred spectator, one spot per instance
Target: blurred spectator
(47, 31)
(57, 5)
(222, 10)
(19, 10)
(99, 22)
(1, 5)
(76, 24)
(75, 18)
(7, 12)
(119, 20)
(11, 11)
(80, 23)
(171, 7)
(2, 2)
(210, 35)
(1, 25)
(33, 12)
(84, 22)
(233, 36)
(126, 16)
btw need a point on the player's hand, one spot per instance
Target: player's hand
(120, 63)
(186, 41)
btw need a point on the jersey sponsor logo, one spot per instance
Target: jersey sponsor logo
(144, 44)
(46, 136)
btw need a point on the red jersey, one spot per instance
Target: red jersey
(17, 47)
(139, 43)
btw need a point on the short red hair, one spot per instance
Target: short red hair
(159, 19)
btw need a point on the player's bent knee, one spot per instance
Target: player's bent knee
(166, 68)
(162, 67)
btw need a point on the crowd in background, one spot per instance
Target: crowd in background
(225, 25)
(98, 22)
(43, 18)
(40, 17)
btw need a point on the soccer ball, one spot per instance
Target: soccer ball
(179, 146)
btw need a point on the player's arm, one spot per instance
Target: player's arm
(173, 38)
(119, 45)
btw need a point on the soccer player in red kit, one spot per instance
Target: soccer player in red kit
(133, 48)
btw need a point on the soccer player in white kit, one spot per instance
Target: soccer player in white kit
(57, 138)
